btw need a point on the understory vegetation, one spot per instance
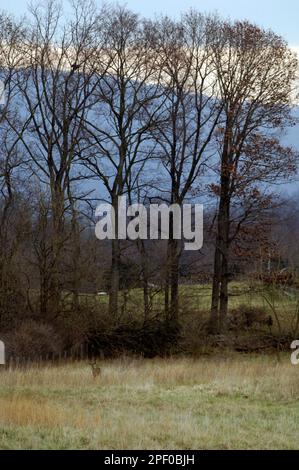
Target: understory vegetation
(261, 319)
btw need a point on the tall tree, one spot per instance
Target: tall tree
(127, 108)
(190, 115)
(11, 160)
(255, 73)
(56, 87)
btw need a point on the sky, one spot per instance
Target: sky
(280, 15)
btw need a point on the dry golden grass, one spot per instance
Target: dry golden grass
(232, 402)
(19, 411)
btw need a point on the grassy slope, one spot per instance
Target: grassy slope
(237, 402)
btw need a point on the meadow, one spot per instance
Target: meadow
(224, 401)
(195, 301)
(214, 399)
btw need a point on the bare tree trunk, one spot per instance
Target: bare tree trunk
(223, 309)
(220, 276)
(174, 281)
(115, 265)
(166, 290)
(223, 296)
(214, 320)
(43, 254)
(57, 205)
(114, 278)
(76, 253)
(145, 278)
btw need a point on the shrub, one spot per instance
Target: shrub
(246, 316)
(32, 339)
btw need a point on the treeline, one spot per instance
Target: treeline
(102, 103)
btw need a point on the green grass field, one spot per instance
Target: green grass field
(195, 302)
(196, 298)
(232, 402)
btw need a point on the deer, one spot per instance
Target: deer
(96, 371)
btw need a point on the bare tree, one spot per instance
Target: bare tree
(255, 71)
(12, 232)
(56, 88)
(191, 113)
(127, 107)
